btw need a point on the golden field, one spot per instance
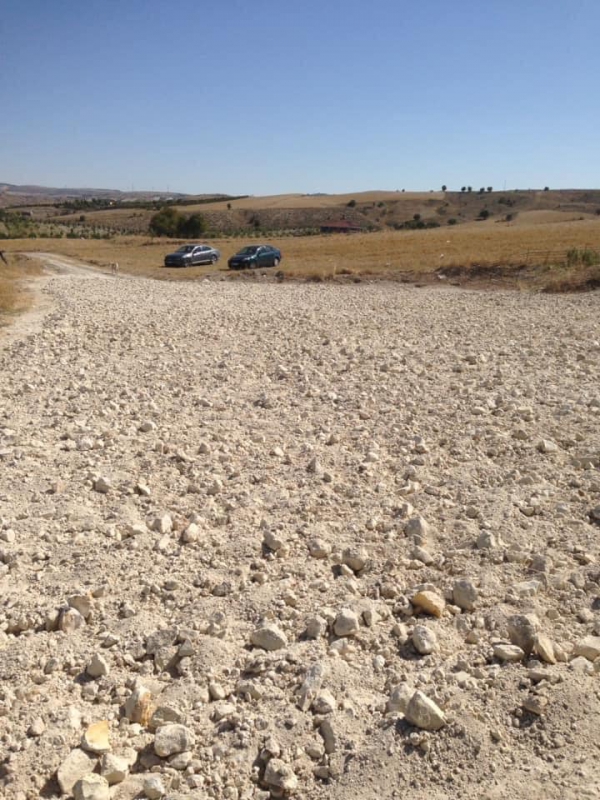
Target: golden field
(14, 296)
(540, 243)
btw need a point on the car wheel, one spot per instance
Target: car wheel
(275, 262)
(213, 259)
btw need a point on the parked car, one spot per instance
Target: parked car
(256, 255)
(191, 254)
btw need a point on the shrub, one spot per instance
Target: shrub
(490, 188)
(463, 188)
(484, 213)
(351, 203)
(444, 188)
(166, 222)
(452, 221)
(192, 227)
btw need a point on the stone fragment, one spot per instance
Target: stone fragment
(140, 706)
(508, 652)
(400, 698)
(114, 768)
(98, 667)
(346, 623)
(96, 737)
(70, 620)
(429, 602)
(310, 686)
(102, 485)
(166, 714)
(324, 703)
(91, 787)
(424, 713)
(171, 739)
(589, 648)
(546, 446)
(544, 648)
(36, 728)
(316, 627)
(417, 529)
(465, 595)
(162, 524)
(424, 640)
(328, 735)
(319, 548)
(280, 776)
(154, 787)
(273, 540)
(269, 637)
(535, 704)
(75, 766)
(355, 557)
(522, 631)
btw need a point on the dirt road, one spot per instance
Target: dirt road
(299, 540)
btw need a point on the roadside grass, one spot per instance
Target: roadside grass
(14, 296)
(501, 252)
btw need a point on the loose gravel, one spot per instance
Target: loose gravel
(291, 540)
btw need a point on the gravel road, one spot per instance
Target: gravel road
(270, 540)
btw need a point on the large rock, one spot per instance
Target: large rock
(522, 630)
(424, 713)
(171, 739)
(465, 595)
(91, 787)
(424, 640)
(588, 648)
(430, 602)
(96, 738)
(269, 637)
(75, 766)
(346, 623)
(280, 776)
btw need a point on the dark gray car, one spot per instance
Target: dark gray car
(256, 255)
(191, 254)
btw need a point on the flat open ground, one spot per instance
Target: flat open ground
(282, 509)
(531, 241)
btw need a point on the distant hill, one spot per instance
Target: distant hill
(20, 195)
(112, 211)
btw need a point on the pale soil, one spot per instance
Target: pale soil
(434, 397)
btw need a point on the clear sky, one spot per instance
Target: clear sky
(272, 96)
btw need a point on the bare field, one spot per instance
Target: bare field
(386, 254)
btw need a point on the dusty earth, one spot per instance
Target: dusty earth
(299, 540)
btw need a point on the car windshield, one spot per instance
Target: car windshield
(247, 251)
(187, 248)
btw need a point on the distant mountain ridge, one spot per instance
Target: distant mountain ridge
(15, 194)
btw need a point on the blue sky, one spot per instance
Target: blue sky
(272, 96)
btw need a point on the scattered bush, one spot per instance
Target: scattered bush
(452, 221)
(351, 203)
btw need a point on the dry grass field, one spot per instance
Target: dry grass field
(534, 250)
(14, 296)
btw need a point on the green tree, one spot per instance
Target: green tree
(351, 203)
(191, 227)
(490, 188)
(166, 222)
(444, 188)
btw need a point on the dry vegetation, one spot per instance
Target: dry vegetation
(14, 296)
(517, 251)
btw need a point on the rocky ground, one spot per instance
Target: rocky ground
(269, 540)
